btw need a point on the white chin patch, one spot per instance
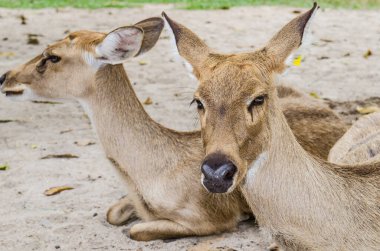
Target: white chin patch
(29, 95)
(255, 166)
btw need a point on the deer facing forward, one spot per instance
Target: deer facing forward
(160, 165)
(305, 203)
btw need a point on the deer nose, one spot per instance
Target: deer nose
(2, 79)
(218, 173)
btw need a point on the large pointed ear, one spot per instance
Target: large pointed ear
(120, 44)
(152, 28)
(283, 47)
(190, 47)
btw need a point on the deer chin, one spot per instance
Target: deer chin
(16, 92)
(21, 92)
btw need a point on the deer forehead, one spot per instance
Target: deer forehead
(231, 85)
(76, 43)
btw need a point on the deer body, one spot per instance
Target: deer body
(309, 204)
(304, 202)
(158, 162)
(361, 143)
(160, 165)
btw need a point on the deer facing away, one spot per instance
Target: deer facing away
(161, 166)
(305, 203)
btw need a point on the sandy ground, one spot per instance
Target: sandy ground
(334, 67)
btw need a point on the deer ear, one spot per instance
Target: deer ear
(152, 28)
(189, 46)
(283, 47)
(120, 44)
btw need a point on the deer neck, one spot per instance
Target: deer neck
(291, 190)
(129, 136)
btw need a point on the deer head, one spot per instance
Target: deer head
(235, 95)
(67, 68)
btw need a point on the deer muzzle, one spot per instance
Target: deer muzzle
(218, 173)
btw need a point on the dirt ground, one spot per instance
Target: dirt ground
(334, 67)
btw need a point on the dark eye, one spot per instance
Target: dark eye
(257, 102)
(54, 59)
(199, 104)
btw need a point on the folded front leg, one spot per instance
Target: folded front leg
(159, 229)
(121, 212)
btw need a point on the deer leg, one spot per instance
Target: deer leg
(274, 247)
(121, 212)
(160, 229)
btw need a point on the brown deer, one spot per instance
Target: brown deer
(361, 143)
(304, 202)
(161, 166)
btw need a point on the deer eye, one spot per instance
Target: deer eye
(54, 59)
(259, 100)
(199, 104)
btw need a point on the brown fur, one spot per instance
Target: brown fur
(360, 143)
(304, 202)
(159, 165)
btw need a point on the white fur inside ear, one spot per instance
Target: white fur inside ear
(120, 45)
(175, 51)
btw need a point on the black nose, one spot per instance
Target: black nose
(218, 173)
(2, 79)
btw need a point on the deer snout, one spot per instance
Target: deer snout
(2, 79)
(218, 172)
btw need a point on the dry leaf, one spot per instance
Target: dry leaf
(148, 101)
(46, 102)
(60, 156)
(32, 39)
(84, 143)
(4, 167)
(367, 54)
(367, 109)
(7, 54)
(23, 20)
(327, 40)
(65, 131)
(297, 61)
(296, 11)
(314, 95)
(3, 121)
(56, 190)
(142, 62)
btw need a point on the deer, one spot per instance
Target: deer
(361, 143)
(301, 200)
(159, 165)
